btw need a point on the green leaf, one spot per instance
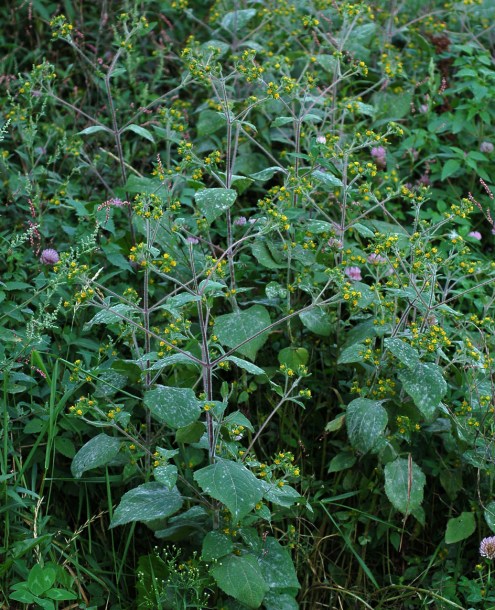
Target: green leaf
(236, 20)
(212, 203)
(277, 567)
(282, 496)
(282, 120)
(209, 121)
(111, 315)
(279, 601)
(353, 353)
(176, 407)
(61, 595)
(366, 421)
(241, 578)
(267, 173)
(404, 352)
(40, 579)
(335, 424)
(166, 475)
(190, 433)
(327, 62)
(232, 484)
(247, 366)
(233, 329)
(236, 418)
(216, 545)
(293, 357)
(264, 256)
(342, 461)
(97, 452)
(460, 528)
(140, 131)
(450, 168)
(490, 515)
(93, 129)
(327, 179)
(425, 385)
(404, 484)
(317, 321)
(147, 502)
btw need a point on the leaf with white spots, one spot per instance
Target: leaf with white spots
(98, 451)
(404, 484)
(366, 421)
(241, 578)
(426, 386)
(232, 329)
(232, 484)
(327, 179)
(176, 407)
(404, 352)
(212, 203)
(147, 502)
(277, 567)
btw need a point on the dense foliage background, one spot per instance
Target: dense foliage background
(247, 277)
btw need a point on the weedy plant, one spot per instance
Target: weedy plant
(275, 326)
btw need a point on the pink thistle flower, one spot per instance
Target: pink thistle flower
(475, 235)
(321, 139)
(487, 547)
(379, 155)
(353, 273)
(49, 257)
(240, 221)
(486, 147)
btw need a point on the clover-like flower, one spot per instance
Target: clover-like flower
(49, 257)
(487, 547)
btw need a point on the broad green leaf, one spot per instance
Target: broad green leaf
(366, 421)
(327, 62)
(293, 357)
(209, 121)
(247, 366)
(279, 601)
(111, 315)
(404, 484)
(166, 475)
(241, 578)
(141, 131)
(236, 20)
(232, 484)
(490, 515)
(274, 290)
(97, 452)
(460, 528)
(176, 407)
(190, 433)
(233, 329)
(216, 545)
(212, 203)
(236, 418)
(327, 179)
(342, 461)
(353, 353)
(450, 168)
(147, 502)
(425, 385)
(40, 579)
(317, 321)
(277, 567)
(282, 496)
(264, 256)
(404, 352)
